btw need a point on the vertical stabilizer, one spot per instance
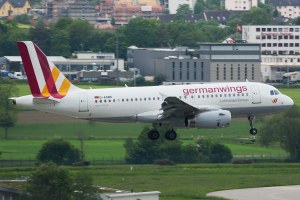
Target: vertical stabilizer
(44, 78)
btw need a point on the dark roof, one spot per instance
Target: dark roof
(2, 2)
(285, 2)
(221, 16)
(17, 3)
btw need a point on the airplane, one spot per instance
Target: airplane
(208, 105)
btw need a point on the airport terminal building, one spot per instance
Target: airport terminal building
(212, 62)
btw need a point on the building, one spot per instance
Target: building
(71, 8)
(130, 196)
(289, 9)
(211, 63)
(279, 39)
(14, 7)
(124, 10)
(221, 16)
(280, 49)
(240, 4)
(145, 59)
(231, 62)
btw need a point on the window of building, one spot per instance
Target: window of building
(202, 71)
(257, 37)
(274, 44)
(291, 29)
(269, 37)
(224, 72)
(296, 44)
(231, 72)
(173, 71)
(188, 71)
(286, 37)
(280, 44)
(291, 37)
(180, 71)
(217, 73)
(285, 44)
(263, 29)
(263, 37)
(269, 29)
(239, 72)
(297, 37)
(279, 29)
(195, 70)
(263, 45)
(274, 29)
(291, 44)
(296, 29)
(246, 71)
(280, 37)
(257, 29)
(269, 44)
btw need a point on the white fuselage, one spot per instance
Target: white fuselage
(123, 104)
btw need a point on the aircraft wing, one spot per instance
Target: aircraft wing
(174, 107)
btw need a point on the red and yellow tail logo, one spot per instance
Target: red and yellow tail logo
(274, 100)
(43, 76)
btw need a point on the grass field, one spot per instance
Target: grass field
(183, 182)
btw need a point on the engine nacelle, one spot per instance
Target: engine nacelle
(210, 119)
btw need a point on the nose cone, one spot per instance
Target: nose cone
(288, 101)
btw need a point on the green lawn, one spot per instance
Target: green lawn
(182, 182)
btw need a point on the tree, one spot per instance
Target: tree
(83, 187)
(49, 182)
(159, 79)
(256, 16)
(285, 129)
(199, 6)
(220, 154)
(58, 151)
(182, 11)
(7, 112)
(41, 35)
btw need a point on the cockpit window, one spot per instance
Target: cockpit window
(274, 92)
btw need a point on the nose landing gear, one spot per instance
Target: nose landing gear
(253, 131)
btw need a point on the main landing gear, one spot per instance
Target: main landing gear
(253, 131)
(153, 134)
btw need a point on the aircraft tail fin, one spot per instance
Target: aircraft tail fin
(44, 78)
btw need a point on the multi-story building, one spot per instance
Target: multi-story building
(282, 40)
(231, 62)
(214, 63)
(240, 4)
(289, 9)
(72, 8)
(280, 48)
(14, 7)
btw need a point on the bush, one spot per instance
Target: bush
(220, 154)
(164, 162)
(59, 152)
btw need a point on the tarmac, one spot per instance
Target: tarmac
(265, 193)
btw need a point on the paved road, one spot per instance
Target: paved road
(265, 193)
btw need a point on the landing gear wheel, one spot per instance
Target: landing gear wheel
(171, 135)
(253, 131)
(153, 134)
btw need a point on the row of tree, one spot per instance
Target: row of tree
(67, 35)
(145, 151)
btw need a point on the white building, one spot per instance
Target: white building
(173, 5)
(240, 4)
(289, 9)
(131, 196)
(280, 49)
(274, 39)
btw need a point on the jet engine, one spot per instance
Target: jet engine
(209, 119)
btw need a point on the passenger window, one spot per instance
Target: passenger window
(272, 92)
(136, 99)
(233, 95)
(153, 98)
(100, 101)
(207, 96)
(157, 98)
(141, 99)
(224, 95)
(220, 95)
(212, 96)
(199, 97)
(114, 100)
(145, 99)
(149, 99)
(203, 96)
(216, 95)
(109, 100)
(104, 101)
(242, 94)
(96, 101)
(246, 94)
(123, 100)
(229, 95)
(126, 99)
